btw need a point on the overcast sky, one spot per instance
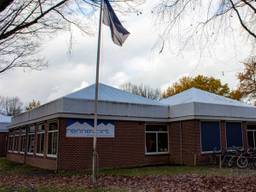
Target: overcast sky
(138, 61)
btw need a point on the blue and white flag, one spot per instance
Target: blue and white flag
(118, 32)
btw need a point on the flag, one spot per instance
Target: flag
(118, 33)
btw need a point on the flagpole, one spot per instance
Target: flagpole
(94, 155)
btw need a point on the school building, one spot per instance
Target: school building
(132, 130)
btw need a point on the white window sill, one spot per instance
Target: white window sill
(28, 153)
(157, 153)
(51, 156)
(40, 154)
(210, 152)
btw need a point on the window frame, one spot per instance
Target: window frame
(229, 148)
(16, 141)
(253, 131)
(22, 134)
(10, 142)
(200, 127)
(57, 142)
(40, 132)
(156, 132)
(28, 140)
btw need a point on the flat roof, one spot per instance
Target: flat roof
(120, 105)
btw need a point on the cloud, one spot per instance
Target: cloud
(138, 61)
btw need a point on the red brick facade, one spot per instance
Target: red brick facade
(3, 144)
(127, 148)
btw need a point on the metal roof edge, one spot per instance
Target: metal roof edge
(86, 116)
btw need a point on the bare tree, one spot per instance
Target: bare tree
(10, 106)
(198, 20)
(24, 24)
(142, 90)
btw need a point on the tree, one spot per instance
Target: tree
(209, 84)
(247, 79)
(10, 106)
(32, 105)
(141, 90)
(24, 23)
(206, 19)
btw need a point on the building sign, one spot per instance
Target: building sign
(84, 128)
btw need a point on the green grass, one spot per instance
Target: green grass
(178, 170)
(12, 168)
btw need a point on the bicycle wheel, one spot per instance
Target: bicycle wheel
(242, 162)
(231, 162)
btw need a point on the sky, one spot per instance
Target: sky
(138, 61)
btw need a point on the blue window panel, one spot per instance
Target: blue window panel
(234, 134)
(210, 136)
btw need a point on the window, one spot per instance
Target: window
(31, 140)
(251, 135)
(210, 136)
(40, 140)
(52, 140)
(156, 139)
(23, 140)
(10, 140)
(234, 134)
(16, 140)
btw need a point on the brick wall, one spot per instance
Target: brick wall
(126, 149)
(3, 144)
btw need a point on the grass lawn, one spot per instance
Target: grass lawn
(11, 169)
(178, 170)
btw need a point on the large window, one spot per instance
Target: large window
(251, 135)
(210, 136)
(156, 139)
(16, 140)
(11, 141)
(31, 140)
(23, 140)
(234, 134)
(40, 140)
(52, 139)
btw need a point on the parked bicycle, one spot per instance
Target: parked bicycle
(238, 157)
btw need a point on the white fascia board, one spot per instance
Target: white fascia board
(181, 110)
(115, 109)
(53, 107)
(224, 111)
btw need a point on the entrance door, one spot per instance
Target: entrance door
(251, 135)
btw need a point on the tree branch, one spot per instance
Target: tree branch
(241, 21)
(26, 25)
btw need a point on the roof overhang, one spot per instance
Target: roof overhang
(80, 108)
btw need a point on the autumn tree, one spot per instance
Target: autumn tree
(32, 105)
(142, 90)
(247, 79)
(209, 84)
(10, 106)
